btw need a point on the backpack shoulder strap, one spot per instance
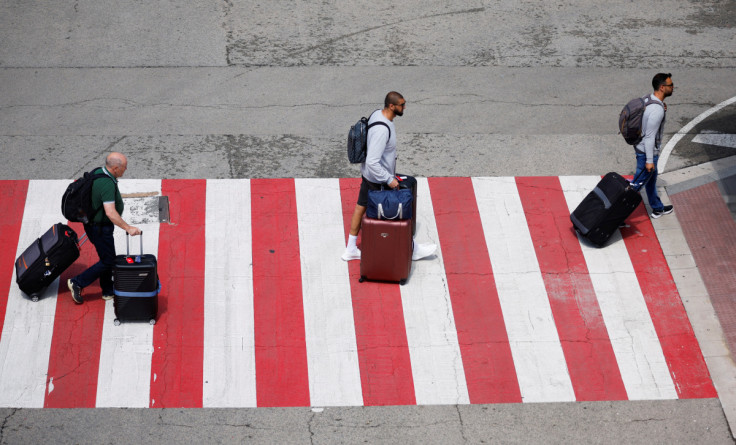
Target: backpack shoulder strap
(380, 123)
(649, 101)
(96, 176)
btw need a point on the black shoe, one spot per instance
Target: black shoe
(76, 292)
(666, 210)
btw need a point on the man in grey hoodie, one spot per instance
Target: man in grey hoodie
(379, 169)
(647, 151)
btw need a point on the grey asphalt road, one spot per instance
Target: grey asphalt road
(292, 121)
(232, 89)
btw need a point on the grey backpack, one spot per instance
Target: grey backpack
(629, 121)
(358, 139)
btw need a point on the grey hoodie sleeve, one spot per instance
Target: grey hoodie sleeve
(377, 140)
(651, 122)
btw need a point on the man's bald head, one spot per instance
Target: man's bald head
(116, 164)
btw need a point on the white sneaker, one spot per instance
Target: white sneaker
(350, 255)
(422, 251)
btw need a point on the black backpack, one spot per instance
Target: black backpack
(358, 139)
(76, 204)
(629, 121)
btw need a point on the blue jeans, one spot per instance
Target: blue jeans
(651, 182)
(101, 237)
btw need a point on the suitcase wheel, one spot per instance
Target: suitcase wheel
(402, 282)
(117, 322)
(361, 279)
(34, 298)
(152, 321)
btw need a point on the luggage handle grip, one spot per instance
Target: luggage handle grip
(382, 215)
(399, 187)
(127, 242)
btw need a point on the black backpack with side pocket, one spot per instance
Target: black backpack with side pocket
(358, 139)
(76, 203)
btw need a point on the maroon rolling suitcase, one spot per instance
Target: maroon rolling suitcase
(385, 250)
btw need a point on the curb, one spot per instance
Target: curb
(695, 176)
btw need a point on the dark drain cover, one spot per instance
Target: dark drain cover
(163, 209)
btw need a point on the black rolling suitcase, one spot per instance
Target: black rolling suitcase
(604, 209)
(44, 260)
(135, 286)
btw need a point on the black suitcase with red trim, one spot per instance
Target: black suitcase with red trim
(44, 260)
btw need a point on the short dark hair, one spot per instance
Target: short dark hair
(660, 79)
(392, 98)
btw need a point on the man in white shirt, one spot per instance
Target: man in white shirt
(379, 169)
(647, 151)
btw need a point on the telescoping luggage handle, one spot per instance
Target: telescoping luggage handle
(127, 245)
(641, 180)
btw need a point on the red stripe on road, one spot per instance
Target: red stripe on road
(281, 353)
(74, 360)
(590, 358)
(484, 343)
(679, 345)
(13, 202)
(383, 349)
(178, 336)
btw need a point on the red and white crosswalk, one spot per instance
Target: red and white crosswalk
(258, 310)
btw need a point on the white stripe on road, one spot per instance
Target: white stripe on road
(436, 361)
(25, 343)
(332, 352)
(229, 368)
(535, 345)
(124, 378)
(720, 139)
(635, 343)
